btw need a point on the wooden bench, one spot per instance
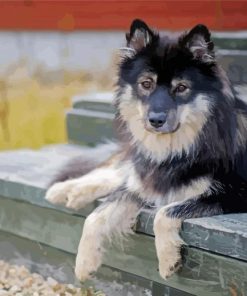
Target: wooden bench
(46, 237)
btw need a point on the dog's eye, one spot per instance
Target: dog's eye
(181, 88)
(146, 84)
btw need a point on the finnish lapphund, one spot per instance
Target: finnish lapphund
(182, 140)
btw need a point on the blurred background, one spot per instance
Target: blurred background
(51, 51)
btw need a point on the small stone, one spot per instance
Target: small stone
(15, 289)
(19, 281)
(6, 286)
(28, 282)
(51, 281)
(12, 271)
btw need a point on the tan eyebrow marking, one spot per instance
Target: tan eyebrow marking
(147, 75)
(177, 81)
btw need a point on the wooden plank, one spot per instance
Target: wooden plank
(89, 127)
(161, 290)
(95, 106)
(230, 40)
(203, 273)
(25, 174)
(38, 167)
(234, 62)
(102, 102)
(225, 234)
(221, 234)
(109, 14)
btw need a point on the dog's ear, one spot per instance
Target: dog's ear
(140, 35)
(199, 43)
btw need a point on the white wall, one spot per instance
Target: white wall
(81, 50)
(86, 51)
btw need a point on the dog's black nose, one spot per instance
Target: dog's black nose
(157, 119)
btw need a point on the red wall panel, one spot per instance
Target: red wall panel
(100, 15)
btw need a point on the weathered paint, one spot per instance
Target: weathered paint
(25, 174)
(224, 234)
(203, 273)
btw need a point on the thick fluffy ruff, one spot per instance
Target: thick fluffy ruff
(183, 138)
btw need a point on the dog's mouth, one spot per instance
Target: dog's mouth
(165, 129)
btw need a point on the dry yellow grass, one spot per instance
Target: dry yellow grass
(34, 114)
(32, 108)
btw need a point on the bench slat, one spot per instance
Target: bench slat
(226, 235)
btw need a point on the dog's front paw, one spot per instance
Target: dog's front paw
(57, 193)
(86, 265)
(168, 242)
(78, 197)
(72, 194)
(169, 262)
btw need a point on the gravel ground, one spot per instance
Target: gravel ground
(19, 281)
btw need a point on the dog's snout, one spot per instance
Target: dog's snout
(157, 119)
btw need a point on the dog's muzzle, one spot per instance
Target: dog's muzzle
(157, 119)
(162, 122)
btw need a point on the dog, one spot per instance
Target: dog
(182, 139)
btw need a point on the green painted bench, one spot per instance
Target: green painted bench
(46, 237)
(215, 260)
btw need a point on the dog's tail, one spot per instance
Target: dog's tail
(89, 159)
(74, 168)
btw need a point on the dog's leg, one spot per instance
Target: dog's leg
(110, 219)
(79, 192)
(167, 241)
(168, 220)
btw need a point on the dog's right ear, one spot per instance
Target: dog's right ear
(198, 42)
(140, 35)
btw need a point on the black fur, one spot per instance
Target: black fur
(182, 133)
(75, 168)
(216, 153)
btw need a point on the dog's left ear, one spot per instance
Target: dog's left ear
(199, 43)
(140, 35)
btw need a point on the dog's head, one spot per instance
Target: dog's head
(167, 87)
